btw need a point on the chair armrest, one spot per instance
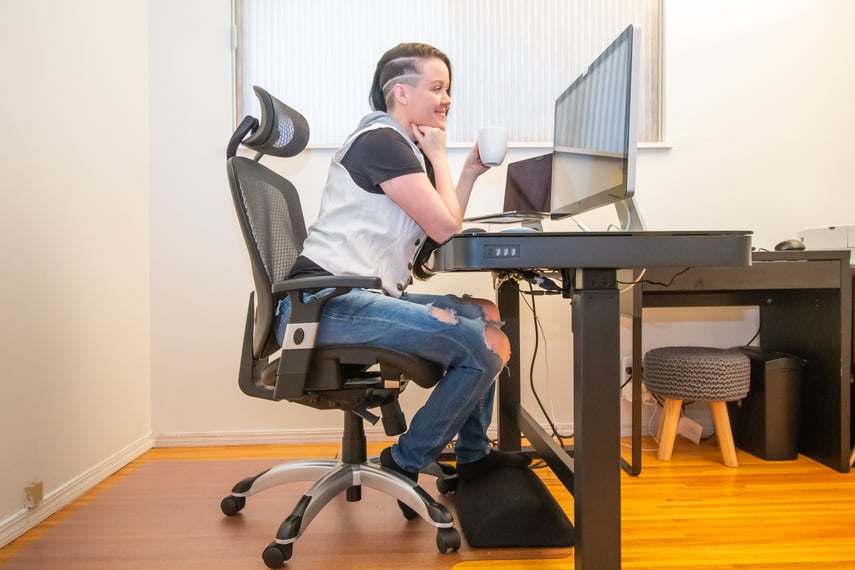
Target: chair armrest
(310, 312)
(324, 281)
(300, 332)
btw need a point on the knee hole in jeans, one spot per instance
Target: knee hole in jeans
(494, 338)
(498, 343)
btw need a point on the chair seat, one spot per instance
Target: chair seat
(393, 364)
(331, 364)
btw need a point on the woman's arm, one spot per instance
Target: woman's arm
(439, 211)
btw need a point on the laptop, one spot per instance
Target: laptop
(527, 192)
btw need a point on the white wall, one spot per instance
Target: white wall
(758, 110)
(199, 275)
(74, 230)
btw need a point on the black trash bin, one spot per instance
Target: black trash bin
(766, 422)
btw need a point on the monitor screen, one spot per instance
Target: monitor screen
(593, 158)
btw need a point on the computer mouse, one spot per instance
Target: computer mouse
(473, 230)
(790, 245)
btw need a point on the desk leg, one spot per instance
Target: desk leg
(508, 390)
(635, 312)
(596, 420)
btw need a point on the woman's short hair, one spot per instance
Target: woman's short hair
(402, 62)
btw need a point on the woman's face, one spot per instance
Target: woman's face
(428, 100)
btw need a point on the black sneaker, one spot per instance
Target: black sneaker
(388, 462)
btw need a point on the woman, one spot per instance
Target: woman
(389, 192)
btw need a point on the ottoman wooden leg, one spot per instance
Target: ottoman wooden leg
(668, 428)
(722, 430)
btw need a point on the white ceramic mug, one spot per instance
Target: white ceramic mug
(492, 145)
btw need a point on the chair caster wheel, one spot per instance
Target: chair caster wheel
(275, 554)
(447, 539)
(232, 505)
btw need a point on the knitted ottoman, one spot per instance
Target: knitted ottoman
(697, 373)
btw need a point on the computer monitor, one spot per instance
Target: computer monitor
(592, 163)
(594, 146)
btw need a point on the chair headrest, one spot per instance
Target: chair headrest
(282, 131)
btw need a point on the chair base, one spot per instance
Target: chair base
(668, 430)
(332, 477)
(349, 474)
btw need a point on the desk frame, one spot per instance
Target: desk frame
(587, 263)
(596, 504)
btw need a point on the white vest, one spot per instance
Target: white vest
(360, 232)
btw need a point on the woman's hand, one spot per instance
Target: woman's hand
(473, 162)
(432, 142)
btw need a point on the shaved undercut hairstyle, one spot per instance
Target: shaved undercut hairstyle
(401, 64)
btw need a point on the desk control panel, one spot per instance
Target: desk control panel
(511, 250)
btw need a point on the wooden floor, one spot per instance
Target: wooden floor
(692, 513)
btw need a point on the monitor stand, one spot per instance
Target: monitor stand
(629, 216)
(533, 223)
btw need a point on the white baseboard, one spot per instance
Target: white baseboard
(286, 436)
(25, 519)
(268, 437)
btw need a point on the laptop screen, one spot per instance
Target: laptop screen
(527, 188)
(527, 192)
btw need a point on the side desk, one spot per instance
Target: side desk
(805, 304)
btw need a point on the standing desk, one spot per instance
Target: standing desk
(587, 263)
(805, 304)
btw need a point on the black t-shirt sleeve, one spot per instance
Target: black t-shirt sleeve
(377, 156)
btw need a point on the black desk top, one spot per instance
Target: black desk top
(608, 250)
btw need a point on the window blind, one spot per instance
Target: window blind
(510, 58)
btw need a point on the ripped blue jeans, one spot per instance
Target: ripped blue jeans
(461, 404)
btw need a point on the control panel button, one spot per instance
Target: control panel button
(504, 251)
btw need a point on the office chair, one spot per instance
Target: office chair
(351, 379)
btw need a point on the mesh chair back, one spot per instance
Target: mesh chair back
(268, 208)
(273, 228)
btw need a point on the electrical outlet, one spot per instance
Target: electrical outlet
(33, 494)
(690, 429)
(625, 377)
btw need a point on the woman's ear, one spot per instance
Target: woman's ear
(400, 93)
